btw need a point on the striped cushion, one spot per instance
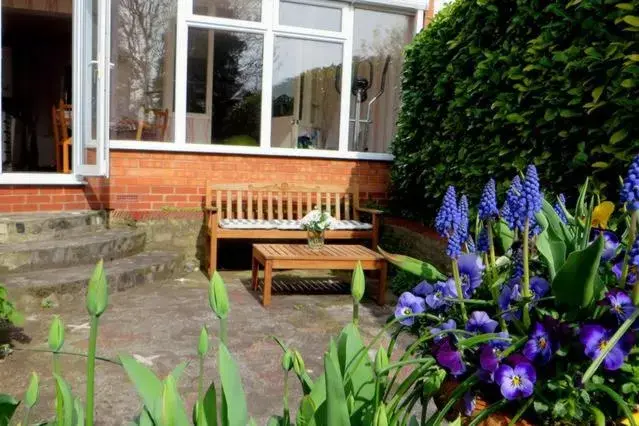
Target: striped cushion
(343, 225)
(290, 225)
(246, 224)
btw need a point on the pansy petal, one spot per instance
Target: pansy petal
(531, 349)
(509, 390)
(526, 387)
(503, 373)
(488, 359)
(591, 336)
(614, 359)
(525, 369)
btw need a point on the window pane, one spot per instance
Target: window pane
(142, 85)
(247, 10)
(224, 87)
(378, 42)
(306, 101)
(324, 18)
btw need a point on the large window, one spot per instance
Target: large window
(263, 76)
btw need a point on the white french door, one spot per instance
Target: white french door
(91, 61)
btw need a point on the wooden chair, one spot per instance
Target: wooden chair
(270, 211)
(61, 121)
(155, 130)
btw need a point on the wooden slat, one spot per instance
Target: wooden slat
(229, 205)
(218, 203)
(338, 206)
(270, 205)
(249, 205)
(299, 206)
(289, 206)
(328, 203)
(240, 213)
(347, 206)
(260, 205)
(319, 200)
(280, 209)
(309, 203)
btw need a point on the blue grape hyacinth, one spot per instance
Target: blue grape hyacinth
(512, 211)
(633, 258)
(559, 210)
(531, 199)
(463, 219)
(630, 191)
(488, 204)
(454, 247)
(482, 241)
(448, 215)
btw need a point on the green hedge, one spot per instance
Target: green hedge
(492, 85)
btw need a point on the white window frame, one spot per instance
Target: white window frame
(269, 28)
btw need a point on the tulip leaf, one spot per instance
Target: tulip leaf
(64, 401)
(147, 384)
(209, 406)
(574, 284)
(336, 408)
(553, 252)
(173, 412)
(234, 411)
(504, 234)
(78, 413)
(33, 390)
(414, 266)
(8, 406)
(306, 412)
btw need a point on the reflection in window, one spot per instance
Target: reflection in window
(323, 18)
(378, 41)
(306, 99)
(224, 87)
(142, 49)
(247, 10)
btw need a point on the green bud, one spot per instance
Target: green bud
(287, 360)
(358, 283)
(350, 403)
(56, 334)
(203, 343)
(33, 391)
(98, 292)
(380, 418)
(169, 401)
(635, 294)
(298, 363)
(218, 298)
(381, 360)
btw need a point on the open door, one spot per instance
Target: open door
(91, 87)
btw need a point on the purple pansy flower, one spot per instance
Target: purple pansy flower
(508, 296)
(409, 304)
(480, 322)
(630, 190)
(539, 287)
(448, 215)
(489, 359)
(539, 347)
(611, 243)
(502, 343)
(617, 269)
(620, 304)
(595, 338)
(423, 289)
(434, 294)
(516, 382)
(471, 269)
(448, 325)
(469, 404)
(488, 203)
(450, 358)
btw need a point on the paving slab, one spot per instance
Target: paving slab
(160, 323)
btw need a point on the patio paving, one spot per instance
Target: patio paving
(161, 323)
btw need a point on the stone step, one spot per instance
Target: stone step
(22, 227)
(142, 268)
(76, 250)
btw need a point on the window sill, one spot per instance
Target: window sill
(248, 150)
(10, 178)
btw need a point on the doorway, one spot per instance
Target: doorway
(36, 80)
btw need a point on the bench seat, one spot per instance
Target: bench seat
(291, 225)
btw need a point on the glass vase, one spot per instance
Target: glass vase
(315, 240)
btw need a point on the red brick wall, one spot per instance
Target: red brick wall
(144, 181)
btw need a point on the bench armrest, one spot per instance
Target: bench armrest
(210, 209)
(369, 211)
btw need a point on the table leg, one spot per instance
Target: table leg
(268, 277)
(381, 288)
(256, 268)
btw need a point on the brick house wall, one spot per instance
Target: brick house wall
(143, 182)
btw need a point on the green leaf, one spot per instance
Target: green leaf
(624, 6)
(618, 399)
(596, 93)
(147, 384)
(634, 57)
(234, 410)
(33, 391)
(172, 412)
(553, 252)
(515, 118)
(597, 416)
(306, 412)
(8, 406)
(628, 83)
(618, 136)
(336, 409)
(574, 284)
(631, 20)
(479, 339)
(416, 267)
(78, 412)
(600, 165)
(210, 406)
(504, 234)
(64, 401)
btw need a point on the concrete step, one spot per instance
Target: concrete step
(76, 250)
(142, 268)
(22, 227)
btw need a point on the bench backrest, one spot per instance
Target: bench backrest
(281, 201)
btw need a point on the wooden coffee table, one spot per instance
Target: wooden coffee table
(300, 256)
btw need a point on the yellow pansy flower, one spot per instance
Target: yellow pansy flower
(601, 214)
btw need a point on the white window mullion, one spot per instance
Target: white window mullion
(419, 21)
(269, 13)
(347, 68)
(184, 8)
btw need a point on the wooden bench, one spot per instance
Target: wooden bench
(273, 211)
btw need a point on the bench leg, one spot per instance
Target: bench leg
(256, 268)
(212, 255)
(381, 287)
(268, 278)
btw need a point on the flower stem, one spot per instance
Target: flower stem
(25, 421)
(223, 330)
(355, 313)
(56, 363)
(286, 409)
(526, 282)
(93, 340)
(493, 271)
(200, 382)
(631, 239)
(460, 293)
